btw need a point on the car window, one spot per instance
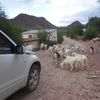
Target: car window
(5, 46)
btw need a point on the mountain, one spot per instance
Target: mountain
(31, 22)
(75, 24)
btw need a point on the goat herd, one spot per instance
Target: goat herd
(69, 57)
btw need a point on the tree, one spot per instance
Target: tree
(90, 33)
(9, 28)
(2, 12)
(93, 28)
(74, 32)
(94, 21)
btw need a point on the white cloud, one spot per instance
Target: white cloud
(36, 2)
(83, 15)
(58, 12)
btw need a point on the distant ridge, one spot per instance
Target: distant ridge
(75, 24)
(31, 22)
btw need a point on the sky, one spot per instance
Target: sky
(58, 12)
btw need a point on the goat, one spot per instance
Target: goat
(57, 57)
(68, 61)
(92, 51)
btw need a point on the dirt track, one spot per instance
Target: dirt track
(59, 84)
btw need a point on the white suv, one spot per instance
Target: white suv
(17, 68)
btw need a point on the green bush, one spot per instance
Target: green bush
(90, 33)
(74, 32)
(60, 32)
(59, 37)
(42, 37)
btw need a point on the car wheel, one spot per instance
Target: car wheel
(33, 78)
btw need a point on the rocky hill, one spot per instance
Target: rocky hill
(75, 24)
(31, 22)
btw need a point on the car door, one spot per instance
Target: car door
(12, 67)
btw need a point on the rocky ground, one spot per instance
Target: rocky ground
(59, 84)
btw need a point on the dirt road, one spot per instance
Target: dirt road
(59, 84)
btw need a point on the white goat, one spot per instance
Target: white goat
(45, 46)
(66, 52)
(42, 46)
(51, 50)
(76, 62)
(68, 61)
(81, 59)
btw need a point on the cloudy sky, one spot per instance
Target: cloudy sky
(58, 12)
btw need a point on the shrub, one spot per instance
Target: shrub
(59, 37)
(42, 37)
(90, 33)
(11, 30)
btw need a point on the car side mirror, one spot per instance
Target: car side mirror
(19, 49)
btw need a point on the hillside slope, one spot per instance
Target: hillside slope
(31, 22)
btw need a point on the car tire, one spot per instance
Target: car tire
(33, 78)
